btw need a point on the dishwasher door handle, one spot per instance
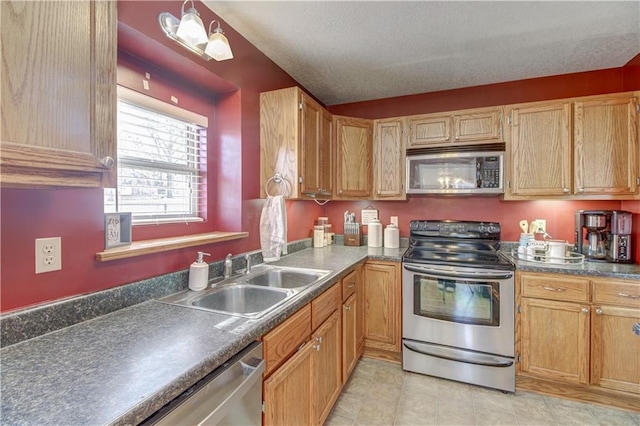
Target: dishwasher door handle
(251, 375)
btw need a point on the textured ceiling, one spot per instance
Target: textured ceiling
(349, 51)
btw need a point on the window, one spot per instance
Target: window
(161, 161)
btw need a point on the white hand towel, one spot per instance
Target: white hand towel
(273, 228)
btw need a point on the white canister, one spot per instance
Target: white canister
(318, 236)
(556, 251)
(391, 236)
(375, 233)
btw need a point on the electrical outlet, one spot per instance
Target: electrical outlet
(48, 254)
(542, 225)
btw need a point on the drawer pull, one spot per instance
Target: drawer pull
(351, 285)
(560, 289)
(629, 296)
(348, 308)
(301, 346)
(636, 329)
(599, 311)
(585, 310)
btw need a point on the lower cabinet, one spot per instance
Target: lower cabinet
(304, 371)
(576, 337)
(382, 308)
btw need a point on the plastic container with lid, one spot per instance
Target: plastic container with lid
(391, 236)
(375, 233)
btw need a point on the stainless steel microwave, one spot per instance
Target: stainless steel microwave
(456, 173)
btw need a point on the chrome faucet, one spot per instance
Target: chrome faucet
(228, 266)
(248, 260)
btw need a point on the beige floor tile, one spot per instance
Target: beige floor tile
(488, 416)
(531, 409)
(568, 416)
(484, 398)
(612, 416)
(338, 420)
(366, 368)
(456, 391)
(407, 417)
(347, 405)
(452, 415)
(358, 386)
(418, 402)
(636, 416)
(418, 383)
(376, 411)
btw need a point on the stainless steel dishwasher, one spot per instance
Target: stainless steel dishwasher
(230, 395)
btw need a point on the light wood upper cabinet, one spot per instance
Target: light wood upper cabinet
(474, 126)
(540, 149)
(389, 159)
(58, 102)
(353, 158)
(295, 140)
(606, 146)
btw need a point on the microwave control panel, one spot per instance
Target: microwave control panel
(488, 172)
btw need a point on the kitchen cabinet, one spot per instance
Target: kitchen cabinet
(58, 101)
(540, 149)
(295, 140)
(352, 335)
(605, 138)
(389, 160)
(474, 126)
(353, 142)
(303, 376)
(581, 148)
(576, 337)
(382, 308)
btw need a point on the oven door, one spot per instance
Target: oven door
(466, 308)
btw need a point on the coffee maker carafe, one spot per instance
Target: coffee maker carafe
(604, 235)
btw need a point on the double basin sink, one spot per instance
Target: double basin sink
(250, 295)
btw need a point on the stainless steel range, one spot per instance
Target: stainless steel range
(458, 304)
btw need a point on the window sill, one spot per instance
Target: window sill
(158, 245)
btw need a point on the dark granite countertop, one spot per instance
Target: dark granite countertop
(121, 367)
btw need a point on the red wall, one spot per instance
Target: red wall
(233, 86)
(631, 74)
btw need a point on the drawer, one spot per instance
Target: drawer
(349, 283)
(324, 305)
(555, 287)
(616, 292)
(286, 338)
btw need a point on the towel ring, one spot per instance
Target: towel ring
(278, 178)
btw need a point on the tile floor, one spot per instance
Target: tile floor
(380, 393)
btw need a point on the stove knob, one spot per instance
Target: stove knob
(492, 229)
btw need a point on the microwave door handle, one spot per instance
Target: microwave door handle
(442, 274)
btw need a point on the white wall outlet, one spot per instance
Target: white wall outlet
(542, 225)
(48, 254)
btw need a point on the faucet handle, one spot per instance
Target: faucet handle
(247, 259)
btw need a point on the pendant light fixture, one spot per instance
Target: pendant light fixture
(189, 32)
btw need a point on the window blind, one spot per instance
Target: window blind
(161, 164)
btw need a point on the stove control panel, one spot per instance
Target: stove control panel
(454, 228)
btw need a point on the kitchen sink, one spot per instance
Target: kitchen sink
(283, 278)
(251, 295)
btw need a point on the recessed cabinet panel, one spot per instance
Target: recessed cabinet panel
(479, 126)
(428, 130)
(389, 160)
(354, 158)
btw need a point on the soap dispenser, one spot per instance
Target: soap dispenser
(199, 273)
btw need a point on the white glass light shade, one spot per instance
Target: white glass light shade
(191, 29)
(218, 47)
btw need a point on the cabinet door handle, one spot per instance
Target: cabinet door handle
(301, 346)
(348, 308)
(585, 310)
(316, 347)
(580, 190)
(319, 339)
(351, 286)
(560, 289)
(107, 162)
(565, 190)
(629, 296)
(598, 311)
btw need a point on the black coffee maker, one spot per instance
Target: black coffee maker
(604, 235)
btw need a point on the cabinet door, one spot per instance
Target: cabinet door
(311, 124)
(388, 160)
(540, 150)
(615, 349)
(606, 146)
(360, 310)
(354, 155)
(58, 97)
(326, 375)
(483, 126)
(382, 306)
(349, 339)
(429, 130)
(555, 340)
(288, 391)
(326, 155)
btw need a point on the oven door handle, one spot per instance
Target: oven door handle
(438, 273)
(477, 359)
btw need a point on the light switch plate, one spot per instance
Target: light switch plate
(48, 254)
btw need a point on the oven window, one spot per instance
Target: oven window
(468, 302)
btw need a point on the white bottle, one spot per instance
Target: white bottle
(391, 236)
(199, 273)
(375, 233)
